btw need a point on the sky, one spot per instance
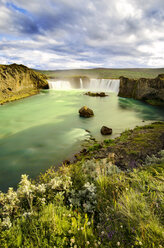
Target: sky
(68, 34)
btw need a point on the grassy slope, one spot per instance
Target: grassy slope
(106, 73)
(109, 208)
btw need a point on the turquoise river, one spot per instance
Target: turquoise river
(43, 130)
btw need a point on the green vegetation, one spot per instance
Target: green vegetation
(105, 73)
(91, 203)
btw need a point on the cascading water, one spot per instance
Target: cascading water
(59, 85)
(81, 83)
(107, 85)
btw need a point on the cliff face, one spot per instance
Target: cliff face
(18, 81)
(149, 90)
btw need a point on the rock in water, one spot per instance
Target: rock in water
(101, 94)
(106, 130)
(86, 112)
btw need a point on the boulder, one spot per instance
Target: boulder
(86, 112)
(106, 130)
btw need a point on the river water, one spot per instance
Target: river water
(43, 130)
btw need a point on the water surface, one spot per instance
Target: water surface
(43, 130)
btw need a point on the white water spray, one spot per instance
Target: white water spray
(59, 85)
(98, 85)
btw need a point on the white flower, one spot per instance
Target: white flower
(88, 242)
(140, 243)
(88, 223)
(6, 222)
(72, 240)
(121, 226)
(118, 243)
(41, 188)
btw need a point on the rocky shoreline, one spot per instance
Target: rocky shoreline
(129, 150)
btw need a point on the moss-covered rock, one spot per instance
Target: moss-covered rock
(86, 112)
(18, 81)
(132, 147)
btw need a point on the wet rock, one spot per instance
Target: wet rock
(101, 94)
(106, 130)
(86, 112)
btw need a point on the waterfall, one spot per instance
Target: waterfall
(104, 85)
(59, 85)
(81, 83)
(107, 85)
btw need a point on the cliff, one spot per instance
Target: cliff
(149, 90)
(18, 81)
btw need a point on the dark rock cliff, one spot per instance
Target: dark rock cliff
(149, 90)
(18, 81)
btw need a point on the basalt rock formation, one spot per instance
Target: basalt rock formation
(149, 90)
(18, 81)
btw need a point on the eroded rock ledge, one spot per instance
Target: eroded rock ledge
(18, 81)
(149, 90)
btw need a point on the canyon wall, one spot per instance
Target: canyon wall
(149, 90)
(18, 81)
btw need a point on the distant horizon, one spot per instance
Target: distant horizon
(94, 68)
(65, 35)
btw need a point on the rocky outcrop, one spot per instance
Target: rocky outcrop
(149, 90)
(106, 130)
(86, 112)
(18, 81)
(101, 94)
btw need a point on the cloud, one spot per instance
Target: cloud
(82, 34)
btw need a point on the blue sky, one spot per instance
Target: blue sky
(67, 34)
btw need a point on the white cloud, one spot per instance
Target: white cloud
(80, 33)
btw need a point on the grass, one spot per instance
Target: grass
(105, 73)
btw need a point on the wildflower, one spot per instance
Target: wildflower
(69, 231)
(72, 240)
(99, 243)
(69, 215)
(118, 243)
(88, 223)
(102, 232)
(140, 243)
(82, 228)
(88, 242)
(6, 222)
(121, 226)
